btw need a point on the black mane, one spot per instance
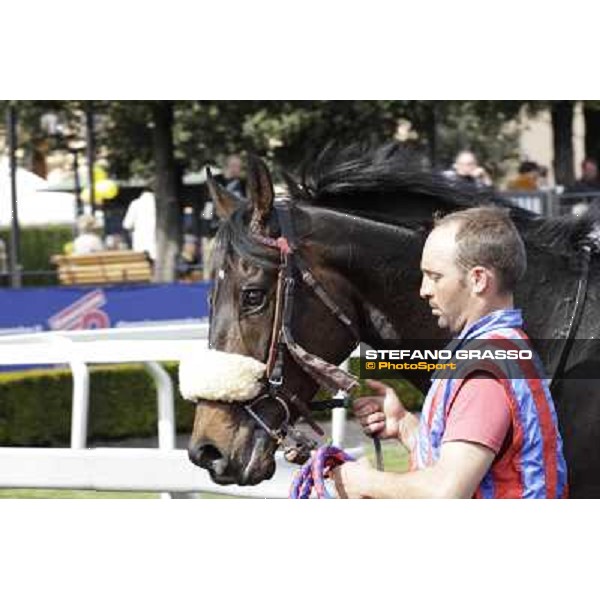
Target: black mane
(353, 176)
(385, 182)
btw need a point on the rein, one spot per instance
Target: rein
(580, 297)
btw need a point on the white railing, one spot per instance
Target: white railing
(165, 469)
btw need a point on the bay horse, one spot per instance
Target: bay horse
(359, 219)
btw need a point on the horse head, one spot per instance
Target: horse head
(261, 307)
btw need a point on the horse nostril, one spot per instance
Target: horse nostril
(209, 457)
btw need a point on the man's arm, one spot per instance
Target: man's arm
(457, 474)
(408, 430)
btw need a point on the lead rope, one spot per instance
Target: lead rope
(311, 477)
(315, 471)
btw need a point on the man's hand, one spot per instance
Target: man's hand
(380, 414)
(481, 174)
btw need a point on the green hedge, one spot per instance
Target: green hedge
(38, 244)
(35, 406)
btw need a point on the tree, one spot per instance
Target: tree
(562, 128)
(168, 213)
(591, 114)
(150, 139)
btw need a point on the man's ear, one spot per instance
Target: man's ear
(481, 279)
(260, 193)
(225, 202)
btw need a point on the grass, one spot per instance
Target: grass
(395, 457)
(42, 494)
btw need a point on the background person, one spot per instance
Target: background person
(528, 179)
(87, 240)
(232, 175)
(589, 181)
(466, 170)
(140, 221)
(188, 265)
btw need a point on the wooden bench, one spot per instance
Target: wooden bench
(103, 267)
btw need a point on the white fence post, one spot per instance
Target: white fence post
(338, 415)
(165, 405)
(80, 404)
(165, 408)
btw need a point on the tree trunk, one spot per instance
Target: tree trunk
(430, 126)
(592, 132)
(168, 219)
(562, 129)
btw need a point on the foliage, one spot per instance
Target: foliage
(289, 131)
(126, 138)
(35, 406)
(38, 244)
(480, 126)
(284, 131)
(207, 131)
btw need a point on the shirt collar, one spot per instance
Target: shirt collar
(498, 319)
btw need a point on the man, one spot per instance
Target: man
(87, 240)
(466, 170)
(482, 435)
(528, 179)
(589, 181)
(232, 174)
(140, 221)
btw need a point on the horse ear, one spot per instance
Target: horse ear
(260, 192)
(225, 202)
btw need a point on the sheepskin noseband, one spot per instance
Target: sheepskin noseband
(215, 375)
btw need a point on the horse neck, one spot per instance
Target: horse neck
(381, 264)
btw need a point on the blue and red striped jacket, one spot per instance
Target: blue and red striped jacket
(533, 464)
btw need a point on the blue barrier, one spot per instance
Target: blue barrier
(66, 308)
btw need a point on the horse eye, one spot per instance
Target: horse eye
(252, 298)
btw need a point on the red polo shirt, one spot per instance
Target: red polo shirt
(480, 413)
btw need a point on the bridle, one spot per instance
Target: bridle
(292, 268)
(587, 248)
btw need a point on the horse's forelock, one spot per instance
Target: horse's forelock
(234, 238)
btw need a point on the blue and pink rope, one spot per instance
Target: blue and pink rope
(311, 477)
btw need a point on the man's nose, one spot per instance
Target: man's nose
(424, 292)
